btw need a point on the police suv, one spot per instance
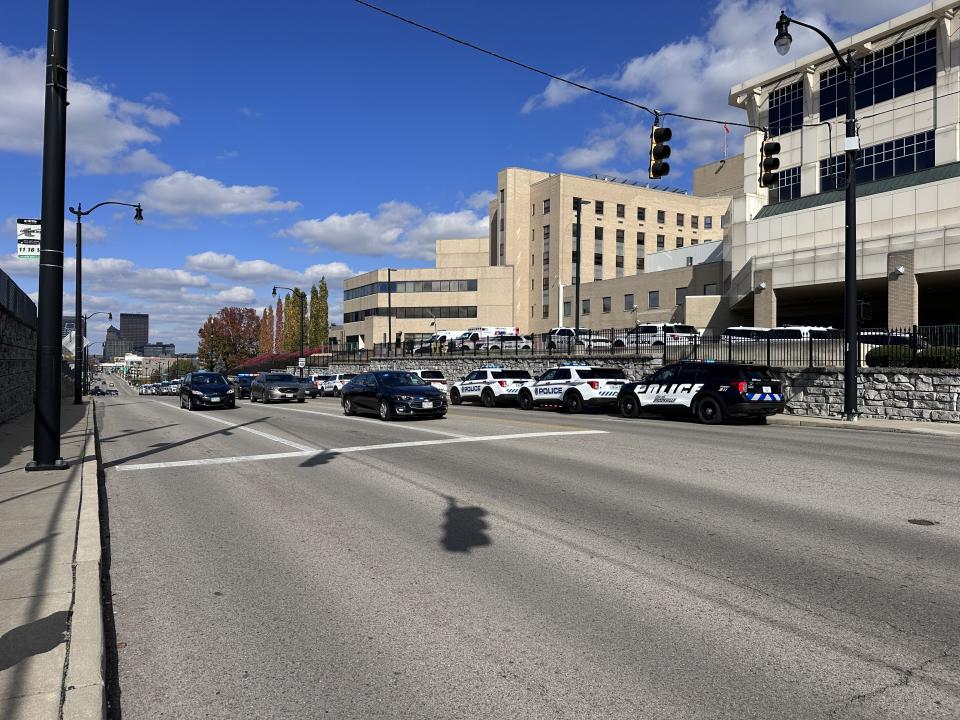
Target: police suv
(574, 386)
(491, 384)
(709, 391)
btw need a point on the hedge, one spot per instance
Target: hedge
(890, 356)
(940, 356)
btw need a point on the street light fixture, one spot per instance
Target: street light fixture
(86, 349)
(390, 272)
(303, 309)
(849, 66)
(80, 212)
(577, 204)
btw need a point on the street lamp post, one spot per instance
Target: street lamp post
(849, 65)
(577, 204)
(78, 337)
(86, 365)
(303, 309)
(390, 309)
(84, 384)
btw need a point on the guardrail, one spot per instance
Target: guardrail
(781, 347)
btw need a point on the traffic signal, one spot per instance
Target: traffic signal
(769, 163)
(659, 151)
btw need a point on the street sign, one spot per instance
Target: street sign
(28, 238)
(69, 341)
(302, 362)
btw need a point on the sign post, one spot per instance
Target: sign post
(28, 238)
(302, 362)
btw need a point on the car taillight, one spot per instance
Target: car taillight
(741, 386)
(594, 384)
(502, 383)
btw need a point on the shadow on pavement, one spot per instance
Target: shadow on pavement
(464, 527)
(16, 434)
(128, 433)
(321, 458)
(34, 638)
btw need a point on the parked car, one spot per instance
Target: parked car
(310, 388)
(241, 385)
(268, 387)
(657, 334)
(565, 338)
(434, 377)
(334, 384)
(206, 389)
(392, 394)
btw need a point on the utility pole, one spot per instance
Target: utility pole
(46, 419)
(577, 204)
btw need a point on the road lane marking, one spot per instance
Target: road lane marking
(354, 449)
(371, 420)
(233, 426)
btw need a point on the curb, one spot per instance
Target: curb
(804, 421)
(84, 696)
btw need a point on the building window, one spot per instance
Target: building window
(605, 304)
(546, 232)
(533, 209)
(901, 69)
(689, 261)
(641, 239)
(566, 308)
(785, 109)
(788, 185)
(661, 216)
(545, 299)
(681, 295)
(679, 219)
(640, 262)
(679, 242)
(501, 228)
(628, 301)
(694, 222)
(546, 206)
(415, 313)
(661, 242)
(533, 234)
(694, 241)
(585, 307)
(653, 299)
(576, 202)
(546, 246)
(598, 207)
(598, 233)
(641, 214)
(708, 222)
(410, 286)
(501, 196)
(621, 210)
(896, 157)
(710, 289)
(598, 266)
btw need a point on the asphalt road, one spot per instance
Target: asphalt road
(284, 561)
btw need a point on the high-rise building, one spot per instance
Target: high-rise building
(159, 349)
(114, 346)
(135, 330)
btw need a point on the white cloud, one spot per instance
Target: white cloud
(105, 131)
(694, 75)
(184, 194)
(262, 271)
(480, 200)
(398, 228)
(556, 93)
(237, 295)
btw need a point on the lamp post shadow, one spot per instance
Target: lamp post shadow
(464, 527)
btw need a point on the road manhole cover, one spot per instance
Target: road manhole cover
(921, 521)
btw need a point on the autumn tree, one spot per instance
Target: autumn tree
(266, 330)
(313, 324)
(291, 321)
(228, 338)
(323, 314)
(278, 331)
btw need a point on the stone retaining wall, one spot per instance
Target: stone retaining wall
(18, 365)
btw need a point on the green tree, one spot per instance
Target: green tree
(323, 315)
(291, 321)
(266, 331)
(314, 333)
(278, 331)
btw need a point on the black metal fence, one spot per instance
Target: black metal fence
(779, 347)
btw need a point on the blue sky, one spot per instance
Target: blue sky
(272, 143)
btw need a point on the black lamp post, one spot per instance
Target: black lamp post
(849, 65)
(86, 365)
(46, 416)
(303, 310)
(85, 385)
(390, 272)
(577, 204)
(78, 339)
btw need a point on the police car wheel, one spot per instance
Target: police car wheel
(384, 410)
(629, 407)
(526, 401)
(573, 403)
(709, 411)
(488, 399)
(455, 396)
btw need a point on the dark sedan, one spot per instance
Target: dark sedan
(241, 386)
(309, 386)
(206, 389)
(393, 394)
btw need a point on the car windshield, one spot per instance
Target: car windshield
(279, 377)
(601, 374)
(785, 334)
(756, 374)
(431, 375)
(511, 375)
(401, 379)
(748, 334)
(686, 329)
(215, 379)
(243, 381)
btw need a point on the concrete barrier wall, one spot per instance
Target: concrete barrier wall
(18, 365)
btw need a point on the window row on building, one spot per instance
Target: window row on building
(599, 208)
(884, 160)
(410, 286)
(438, 312)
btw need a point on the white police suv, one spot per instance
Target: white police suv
(574, 386)
(490, 385)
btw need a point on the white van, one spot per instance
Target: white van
(474, 335)
(802, 332)
(438, 342)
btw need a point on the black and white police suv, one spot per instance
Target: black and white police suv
(710, 391)
(490, 385)
(574, 386)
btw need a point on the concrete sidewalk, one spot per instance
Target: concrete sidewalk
(895, 426)
(51, 629)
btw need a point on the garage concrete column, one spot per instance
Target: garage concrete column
(764, 299)
(903, 297)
